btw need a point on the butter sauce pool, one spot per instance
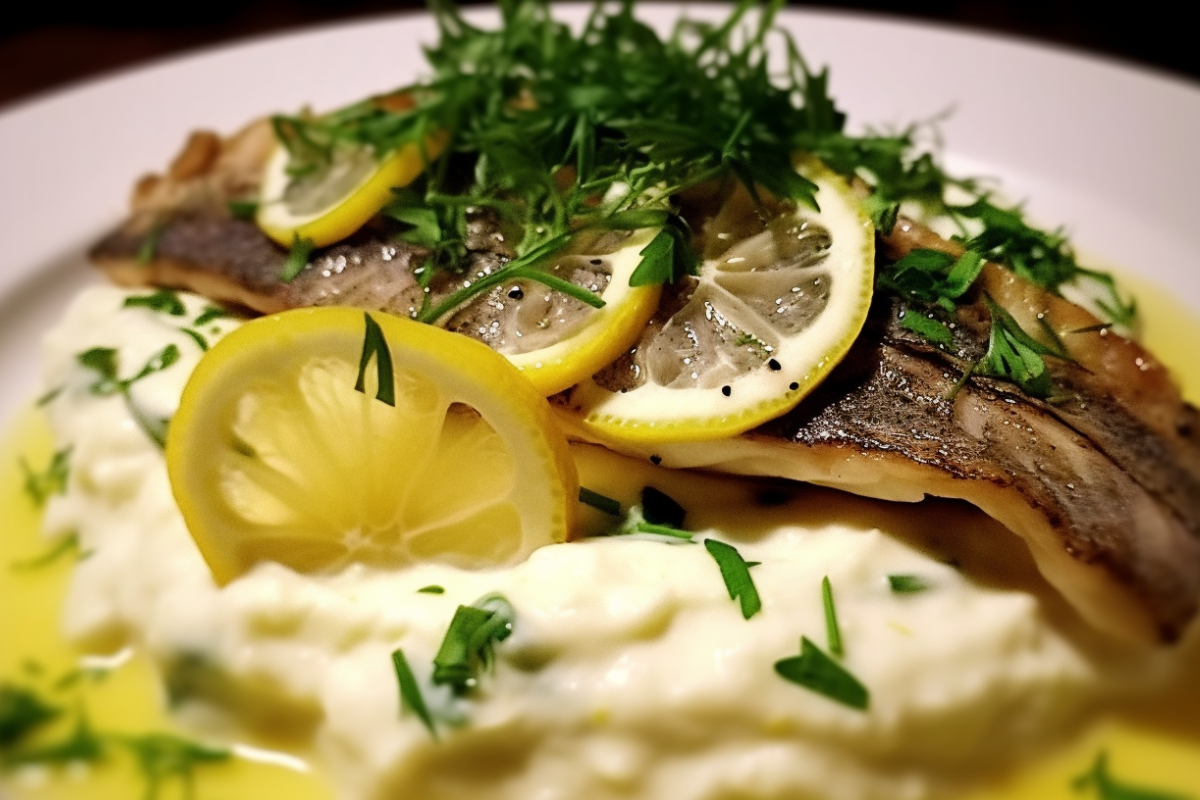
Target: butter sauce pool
(1152, 742)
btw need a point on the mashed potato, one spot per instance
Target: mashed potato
(629, 673)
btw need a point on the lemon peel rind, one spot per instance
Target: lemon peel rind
(551, 502)
(342, 219)
(680, 423)
(609, 332)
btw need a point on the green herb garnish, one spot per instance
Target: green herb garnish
(243, 209)
(66, 544)
(104, 362)
(432, 589)
(832, 631)
(1109, 789)
(468, 647)
(600, 502)
(164, 301)
(1015, 356)
(148, 248)
(814, 670)
(82, 745)
(410, 692)
(907, 584)
(41, 486)
(375, 346)
(161, 757)
(736, 573)
(209, 314)
(21, 712)
(297, 259)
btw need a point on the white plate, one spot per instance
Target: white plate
(1106, 151)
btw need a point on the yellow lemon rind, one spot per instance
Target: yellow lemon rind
(608, 333)
(343, 218)
(466, 370)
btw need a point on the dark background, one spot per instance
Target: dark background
(50, 47)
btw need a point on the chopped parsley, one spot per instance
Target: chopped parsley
(600, 502)
(735, 571)
(297, 259)
(148, 248)
(105, 363)
(907, 584)
(1107, 788)
(65, 545)
(431, 589)
(467, 651)
(209, 314)
(161, 756)
(21, 712)
(410, 692)
(375, 346)
(242, 209)
(164, 301)
(41, 486)
(468, 647)
(816, 671)
(832, 631)
(81, 745)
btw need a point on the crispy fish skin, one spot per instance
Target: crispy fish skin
(1103, 484)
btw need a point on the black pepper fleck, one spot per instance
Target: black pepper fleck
(516, 293)
(727, 390)
(793, 386)
(656, 460)
(774, 365)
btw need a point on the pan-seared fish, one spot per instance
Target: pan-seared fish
(1102, 482)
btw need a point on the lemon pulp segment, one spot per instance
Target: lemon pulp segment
(764, 322)
(329, 206)
(274, 455)
(556, 340)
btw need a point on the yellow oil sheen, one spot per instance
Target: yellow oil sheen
(1153, 745)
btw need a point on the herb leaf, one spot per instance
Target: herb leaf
(736, 573)
(410, 692)
(907, 584)
(209, 314)
(41, 486)
(1108, 789)
(814, 670)
(165, 301)
(161, 756)
(431, 589)
(375, 345)
(297, 258)
(66, 544)
(600, 502)
(22, 711)
(467, 648)
(832, 631)
(81, 745)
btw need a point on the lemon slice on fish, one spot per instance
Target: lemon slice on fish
(320, 437)
(765, 321)
(331, 203)
(556, 340)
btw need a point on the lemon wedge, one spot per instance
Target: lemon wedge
(555, 340)
(332, 203)
(765, 321)
(320, 437)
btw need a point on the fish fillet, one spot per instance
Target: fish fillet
(1102, 484)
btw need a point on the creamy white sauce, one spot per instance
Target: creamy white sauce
(630, 672)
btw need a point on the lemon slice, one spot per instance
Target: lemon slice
(443, 453)
(554, 339)
(330, 204)
(765, 321)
